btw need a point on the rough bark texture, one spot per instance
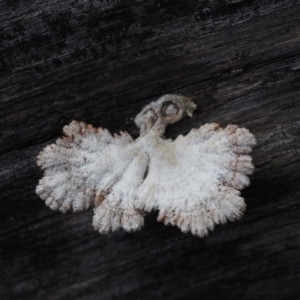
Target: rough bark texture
(101, 62)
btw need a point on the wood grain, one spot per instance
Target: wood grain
(101, 62)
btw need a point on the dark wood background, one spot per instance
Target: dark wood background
(101, 62)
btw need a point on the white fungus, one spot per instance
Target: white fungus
(193, 181)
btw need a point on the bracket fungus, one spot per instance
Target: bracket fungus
(193, 181)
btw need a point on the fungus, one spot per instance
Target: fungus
(193, 181)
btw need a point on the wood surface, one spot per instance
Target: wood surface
(101, 62)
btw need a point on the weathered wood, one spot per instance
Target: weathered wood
(100, 62)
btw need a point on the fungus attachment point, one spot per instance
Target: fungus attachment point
(125, 178)
(169, 109)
